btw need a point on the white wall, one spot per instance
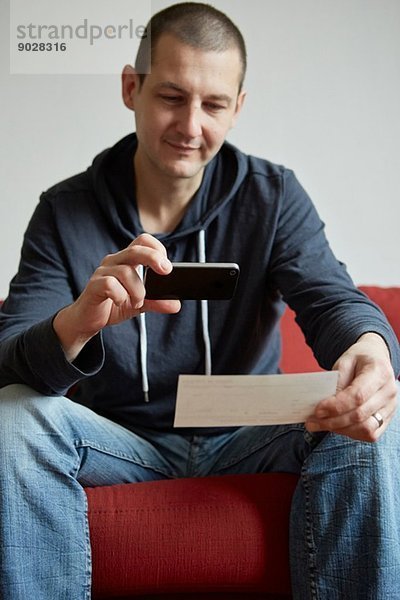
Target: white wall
(323, 98)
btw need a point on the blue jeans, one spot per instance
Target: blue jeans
(345, 525)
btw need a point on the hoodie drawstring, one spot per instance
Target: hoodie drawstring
(143, 355)
(201, 245)
(143, 346)
(201, 248)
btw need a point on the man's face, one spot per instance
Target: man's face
(185, 107)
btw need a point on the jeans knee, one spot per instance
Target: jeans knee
(24, 413)
(35, 436)
(348, 457)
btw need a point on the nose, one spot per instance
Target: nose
(189, 122)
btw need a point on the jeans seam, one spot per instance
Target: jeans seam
(88, 548)
(192, 455)
(122, 455)
(89, 567)
(255, 448)
(309, 538)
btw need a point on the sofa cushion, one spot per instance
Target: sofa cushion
(225, 533)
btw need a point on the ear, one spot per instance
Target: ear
(239, 103)
(130, 84)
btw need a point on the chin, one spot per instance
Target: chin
(184, 171)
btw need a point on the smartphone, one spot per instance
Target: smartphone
(193, 281)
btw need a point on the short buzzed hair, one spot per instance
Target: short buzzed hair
(195, 24)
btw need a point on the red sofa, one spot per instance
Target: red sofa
(198, 539)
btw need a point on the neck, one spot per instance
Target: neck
(162, 200)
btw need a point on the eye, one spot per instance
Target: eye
(214, 107)
(170, 99)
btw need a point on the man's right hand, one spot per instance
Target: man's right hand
(114, 293)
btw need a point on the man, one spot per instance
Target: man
(77, 315)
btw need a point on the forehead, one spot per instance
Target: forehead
(176, 61)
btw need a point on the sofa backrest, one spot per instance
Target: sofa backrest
(297, 357)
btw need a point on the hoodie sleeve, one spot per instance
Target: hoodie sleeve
(329, 308)
(30, 352)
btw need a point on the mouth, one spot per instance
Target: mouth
(183, 148)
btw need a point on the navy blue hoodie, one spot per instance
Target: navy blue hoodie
(253, 213)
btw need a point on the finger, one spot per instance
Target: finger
(145, 239)
(161, 263)
(161, 306)
(127, 277)
(345, 367)
(365, 385)
(107, 287)
(355, 407)
(122, 283)
(360, 419)
(371, 429)
(135, 255)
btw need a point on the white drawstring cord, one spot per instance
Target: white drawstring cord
(204, 322)
(204, 306)
(143, 355)
(143, 347)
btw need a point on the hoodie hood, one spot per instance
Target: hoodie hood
(113, 177)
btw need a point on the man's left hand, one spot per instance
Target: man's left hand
(366, 395)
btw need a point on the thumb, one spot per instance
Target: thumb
(345, 365)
